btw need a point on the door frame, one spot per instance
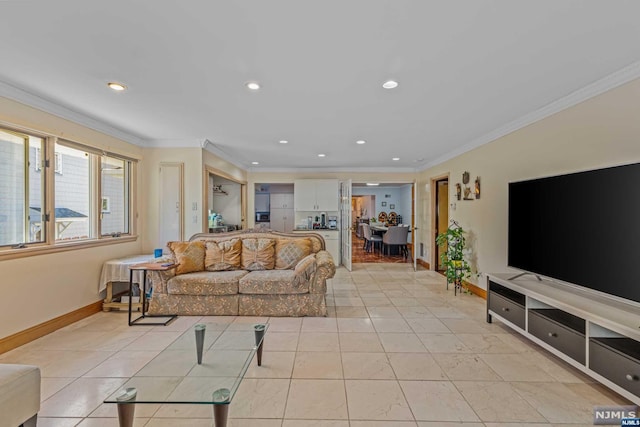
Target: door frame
(346, 226)
(434, 218)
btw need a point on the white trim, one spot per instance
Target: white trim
(613, 80)
(371, 169)
(35, 101)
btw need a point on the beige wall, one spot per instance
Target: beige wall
(603, 131)
(39, 288)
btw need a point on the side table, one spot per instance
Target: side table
(146, 267)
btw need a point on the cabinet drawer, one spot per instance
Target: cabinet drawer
(615, 366)
(562, 338)
(506, 308)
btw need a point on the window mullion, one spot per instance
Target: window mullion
(49, 184)
(27, 224)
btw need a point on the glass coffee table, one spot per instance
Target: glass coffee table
(205, 365)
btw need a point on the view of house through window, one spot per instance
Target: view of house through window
(91, 193)
(21, 189)
(115, 194)
(73, 194)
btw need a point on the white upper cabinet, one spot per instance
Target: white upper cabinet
(281, 200)
(316, 194)
(262, 202)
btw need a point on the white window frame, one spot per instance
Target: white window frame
(49, 244)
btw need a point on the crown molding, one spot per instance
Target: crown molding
(173, 143)
(214, 149)
(11, 92)
(611, 81)
(335, 170)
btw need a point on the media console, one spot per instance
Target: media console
(597, 335)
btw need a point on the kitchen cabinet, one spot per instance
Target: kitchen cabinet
(282, 220)
(331, 242)
(316, 195)
(281, 201)
(262, 202)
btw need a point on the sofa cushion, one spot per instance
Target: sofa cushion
(225, 255)
(188, 255)
(290, 251)
(273, 282)
(258, 254)
(206, 283)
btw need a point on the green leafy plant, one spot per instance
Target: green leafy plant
(453, 243)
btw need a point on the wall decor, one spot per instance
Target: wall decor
(477, 187)
(387, 196)
(458, 191)
(384, 204)
(392, 206)
(465, 177)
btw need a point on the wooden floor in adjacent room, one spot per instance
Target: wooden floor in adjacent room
(358, 254)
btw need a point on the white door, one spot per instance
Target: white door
(415, 231)
(345, 222)
(171, 213)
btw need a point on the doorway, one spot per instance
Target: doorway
(225, 201)
(388, 203)
(441, 218)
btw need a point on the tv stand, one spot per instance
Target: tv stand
(524, 274)
(600, 336)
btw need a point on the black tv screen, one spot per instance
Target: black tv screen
(582, 228)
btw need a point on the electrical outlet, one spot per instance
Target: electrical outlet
(195, 219)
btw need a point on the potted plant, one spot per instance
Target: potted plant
(457, 268)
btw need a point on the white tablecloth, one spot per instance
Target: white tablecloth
(117, 270)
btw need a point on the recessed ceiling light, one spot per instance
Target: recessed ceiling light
(253, 85)
(390, 84)
(255, 163)
(282, 141)
(360, 142)
(372, 184)
(395, 159)
(322, 155)
(119, 87)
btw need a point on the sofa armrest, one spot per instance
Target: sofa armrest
(159, 280)
(306, 268)
(325, 269)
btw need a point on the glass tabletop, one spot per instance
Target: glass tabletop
(175, 376)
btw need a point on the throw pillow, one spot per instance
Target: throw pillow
(258, 254)
(225, 255)
(188, 255)
(290, 251)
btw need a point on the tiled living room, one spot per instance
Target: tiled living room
(126, 127)
(397, 350)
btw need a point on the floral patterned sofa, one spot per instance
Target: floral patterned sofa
(246, 273)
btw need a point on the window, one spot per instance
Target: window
(21, 189)
(73, 194)
(88, 200)
(115, 194)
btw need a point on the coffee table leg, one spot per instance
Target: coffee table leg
(200, 330)
(259, 332)
(220, 413)
(126, 409)
(221, 407)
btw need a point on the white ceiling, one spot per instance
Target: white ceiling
(468, 71)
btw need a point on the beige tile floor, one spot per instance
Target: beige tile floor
(397, 350)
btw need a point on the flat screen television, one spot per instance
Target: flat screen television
(581, 228)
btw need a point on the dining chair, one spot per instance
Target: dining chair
(370, 239)
(396, 236)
